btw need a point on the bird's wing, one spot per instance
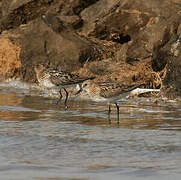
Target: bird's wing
(115, 89)
(64, 78)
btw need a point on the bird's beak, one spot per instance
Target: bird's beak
(79, 87)
(79, 91)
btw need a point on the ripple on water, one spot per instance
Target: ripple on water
(15, 108)
(40, 140)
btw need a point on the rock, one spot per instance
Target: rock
(93, 18)
(73, 22)
(15, 13)
(9, 6)
(40, 44)
(172, 81)
(0, 9)
(145, 24)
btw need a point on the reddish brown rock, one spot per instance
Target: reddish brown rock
(15, 13)
(40, 44)
(172, 81)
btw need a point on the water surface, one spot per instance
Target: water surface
(42, 141)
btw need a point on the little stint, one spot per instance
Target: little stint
(107, 92)
(52, 78)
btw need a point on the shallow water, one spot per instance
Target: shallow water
(42, 141)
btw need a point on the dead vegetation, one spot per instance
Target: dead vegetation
(10, 64)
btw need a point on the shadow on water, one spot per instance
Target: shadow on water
(46, 141)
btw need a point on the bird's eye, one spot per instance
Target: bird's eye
(85, 84)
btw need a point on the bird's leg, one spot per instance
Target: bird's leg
(66, 98)
(117, 112)
(109, 112)
(60, 92)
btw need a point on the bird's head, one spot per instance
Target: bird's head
(39, 68)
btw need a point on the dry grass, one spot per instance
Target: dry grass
(141, 73)
(10, 63)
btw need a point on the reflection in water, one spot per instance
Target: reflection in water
(45, 141)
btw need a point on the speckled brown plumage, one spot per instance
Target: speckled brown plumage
(107, 92)
(52, 78)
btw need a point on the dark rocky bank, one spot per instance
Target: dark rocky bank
(115, 40)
